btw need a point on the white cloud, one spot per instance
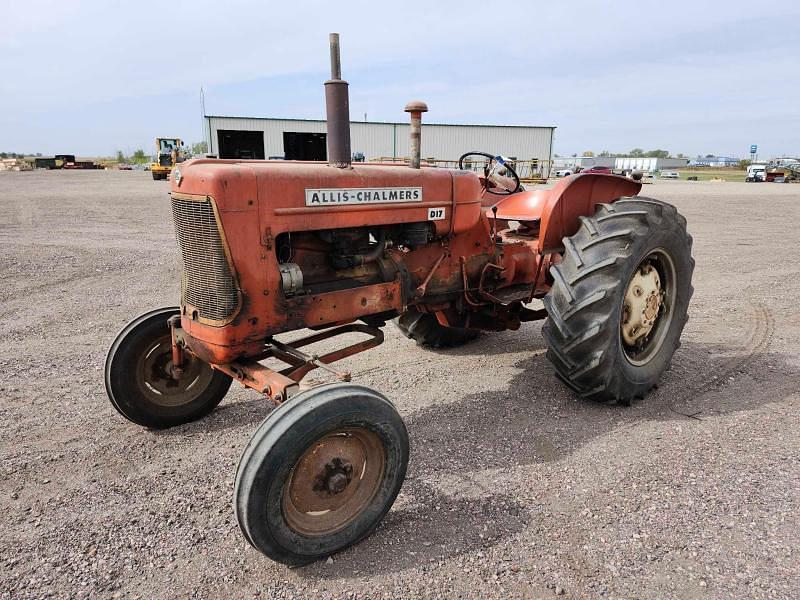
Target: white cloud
(602, 72)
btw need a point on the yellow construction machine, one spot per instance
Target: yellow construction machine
(169, 152)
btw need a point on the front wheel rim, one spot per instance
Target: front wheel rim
(648, 307)
(155, 380)
(334, 481)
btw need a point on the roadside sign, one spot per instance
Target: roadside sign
(753, 148)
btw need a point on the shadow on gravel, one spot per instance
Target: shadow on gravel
(537, 420)
(435, 527)
(527, 339)
(247, 411)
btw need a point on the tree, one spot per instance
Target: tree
(657, 153)
(120, 156)
(709, 156)
(139, 157)
(743, 164)
(606, 153)
(681, 155)
(199, 148)
(588, 153)
(636, 152)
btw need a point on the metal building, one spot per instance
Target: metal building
(583, 162)
(648, 164)
(714, 161)
(305, 139)
(620, 163)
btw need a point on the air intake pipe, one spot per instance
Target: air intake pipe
(416, 108)
(337, 108)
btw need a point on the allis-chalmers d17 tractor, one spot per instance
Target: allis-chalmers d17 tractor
(270, 247)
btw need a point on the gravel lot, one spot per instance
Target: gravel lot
(515, 488)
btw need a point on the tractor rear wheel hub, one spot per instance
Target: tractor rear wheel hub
(642, 304)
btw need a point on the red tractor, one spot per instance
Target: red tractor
(274, 246)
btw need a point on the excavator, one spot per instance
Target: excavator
(169, 152)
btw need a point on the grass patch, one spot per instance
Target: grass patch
(708, 174)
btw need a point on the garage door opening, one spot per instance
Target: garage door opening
(241, 144)
(305, 146)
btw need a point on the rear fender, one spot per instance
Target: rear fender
(558, 209)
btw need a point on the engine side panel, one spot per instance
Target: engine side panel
(257, 202)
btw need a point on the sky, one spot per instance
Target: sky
(91, 78)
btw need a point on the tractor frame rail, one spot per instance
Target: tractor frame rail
(278, 384)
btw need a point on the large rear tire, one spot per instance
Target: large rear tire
(619, 299)
(139, 380)
(320, 472)
(426, 330)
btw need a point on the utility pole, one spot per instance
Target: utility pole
(203, 120)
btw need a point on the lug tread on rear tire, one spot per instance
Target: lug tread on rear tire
(585, 301)
(426, 330)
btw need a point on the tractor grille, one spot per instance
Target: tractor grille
(207, 283)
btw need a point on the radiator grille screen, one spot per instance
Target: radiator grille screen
(207, 282)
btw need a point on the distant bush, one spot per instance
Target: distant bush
(137, 158)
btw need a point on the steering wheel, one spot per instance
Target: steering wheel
(493, 181)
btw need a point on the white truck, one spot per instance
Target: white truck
(756, 173)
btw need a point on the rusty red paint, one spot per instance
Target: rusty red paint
(558, 209)
(262, 379)
(466, 275)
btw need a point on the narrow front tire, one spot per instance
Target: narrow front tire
(139, 380)
(320, 473)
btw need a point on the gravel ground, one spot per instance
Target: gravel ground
(515, 488)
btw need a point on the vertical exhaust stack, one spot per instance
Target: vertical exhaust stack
(337, 108)
(416, 108)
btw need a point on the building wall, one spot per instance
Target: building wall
(629, 163)
(584, 162)
(715, 161)
(725, 162)
(443, 142)
(621, 163)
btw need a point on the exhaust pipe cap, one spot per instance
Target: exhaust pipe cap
(416, 106)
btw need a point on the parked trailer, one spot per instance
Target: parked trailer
(65, 161)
